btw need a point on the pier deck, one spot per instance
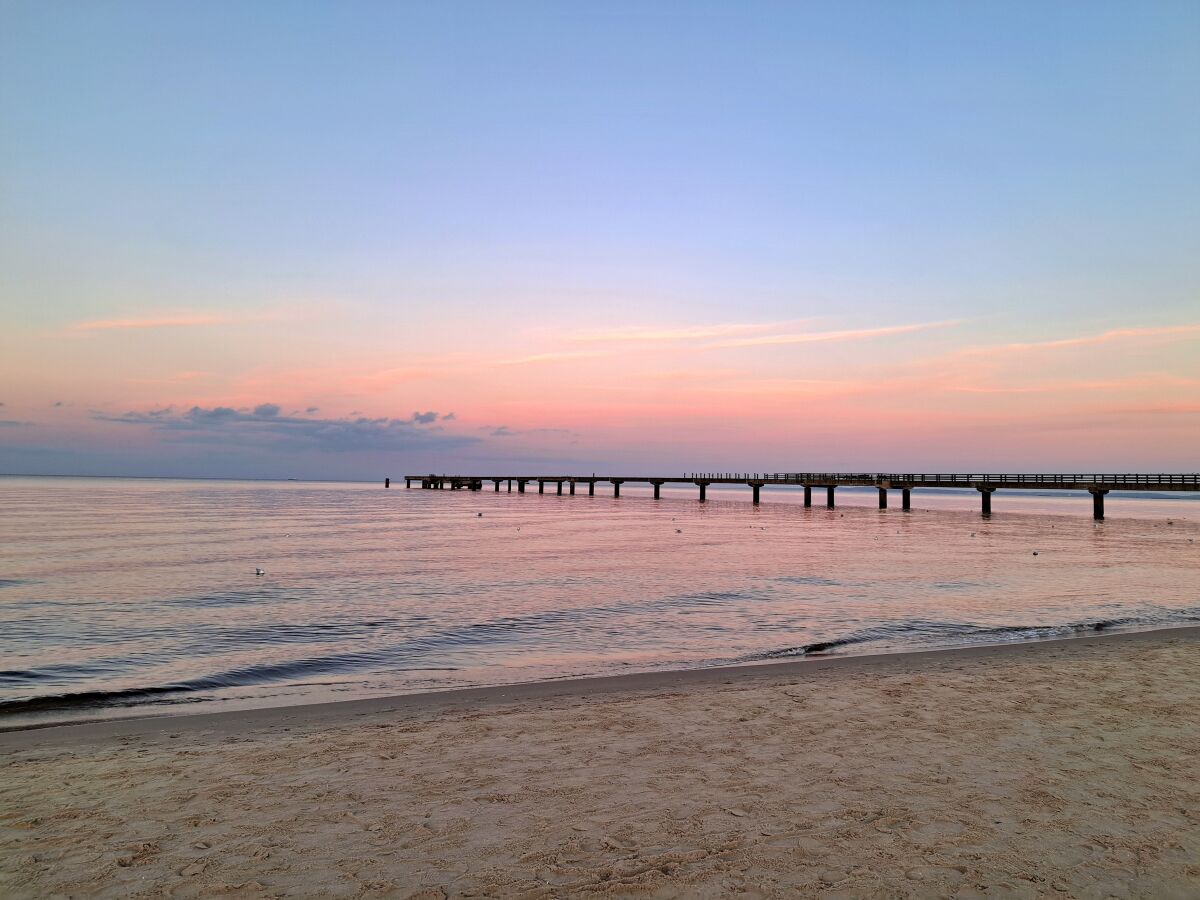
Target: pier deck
(1096, 484)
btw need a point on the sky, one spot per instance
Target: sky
(331, 240)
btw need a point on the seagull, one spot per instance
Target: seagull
(260, 572)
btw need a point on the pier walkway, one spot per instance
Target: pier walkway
(1096, 485)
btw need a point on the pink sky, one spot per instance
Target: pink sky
(585, 237)
(658, 396)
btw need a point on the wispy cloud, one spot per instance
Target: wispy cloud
(659, 334)
(1161, 409)
(1154, 380)
(178, 378)
(178, 320)
(691, 338)
(551, 357)
(1115, 334)
(845, 334)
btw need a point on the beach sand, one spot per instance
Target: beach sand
(1067, 768)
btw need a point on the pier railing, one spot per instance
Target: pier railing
(1097, 484)
(1133, 480)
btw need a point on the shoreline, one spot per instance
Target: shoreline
(1056, 768)
(406, 706)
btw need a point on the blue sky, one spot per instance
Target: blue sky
(443, 186)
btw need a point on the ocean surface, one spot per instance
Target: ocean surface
(132, 597)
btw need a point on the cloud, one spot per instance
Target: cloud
(1155, 380)
(264, 425)
(642, 333)
(848, 334)
(58, 403)
(1104, 337)
(554, 356)
(505, 431)
(178, 320)
(312, 409)
(178, 378)
(216, 414)
(11, 422)
(691, 338)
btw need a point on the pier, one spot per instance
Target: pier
(1097, 485)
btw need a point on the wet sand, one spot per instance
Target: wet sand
(1064, 768)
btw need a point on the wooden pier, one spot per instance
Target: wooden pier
(906, 483)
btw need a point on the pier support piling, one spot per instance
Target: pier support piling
(1096, 485)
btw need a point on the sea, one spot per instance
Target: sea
(134, 597)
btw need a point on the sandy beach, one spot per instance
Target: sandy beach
(1064, 768)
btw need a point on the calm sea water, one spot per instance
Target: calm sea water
(122, 597)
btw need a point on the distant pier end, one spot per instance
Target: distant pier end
(1098, 485)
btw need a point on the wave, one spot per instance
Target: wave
(244, 676)
(944, 634)
(426, 652)
(405, 655)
